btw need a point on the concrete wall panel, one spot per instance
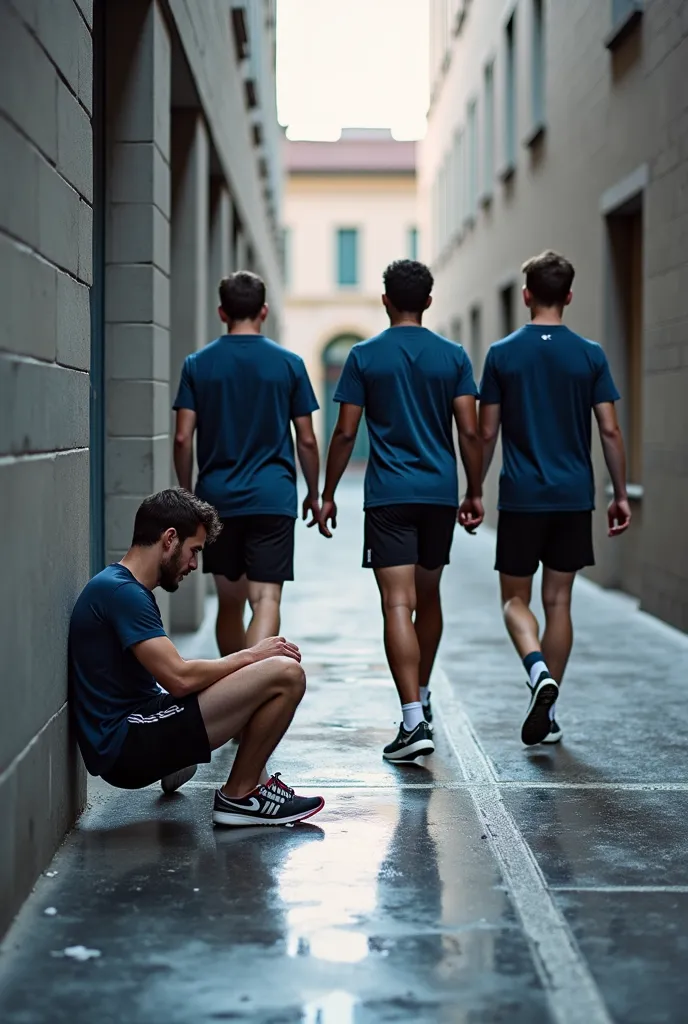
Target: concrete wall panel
(46, 408)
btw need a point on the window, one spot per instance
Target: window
(287, 257)
(538, 69)
(347, 257)
(460, 183)
(506, 309)
(625, 16)
(472, 162)
(412, 243)
(488, 130)
(510, 98)
(475, 340)
(456, 330)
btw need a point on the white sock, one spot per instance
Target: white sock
(413, 715)
(424, 695)
(536, 671)
(551, 711)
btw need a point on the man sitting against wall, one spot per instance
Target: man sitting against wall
(131, 731)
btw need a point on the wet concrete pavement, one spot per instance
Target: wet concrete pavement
(494, 884)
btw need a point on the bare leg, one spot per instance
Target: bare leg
(398, 593)
(260, 701)
(229, 630)
(264, 599)
(520, 622)
(428, 622)
(557, 638)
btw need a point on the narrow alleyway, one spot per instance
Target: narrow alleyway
(496, 884)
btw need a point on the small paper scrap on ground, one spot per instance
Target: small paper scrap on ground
(50, 911)
(81, 953)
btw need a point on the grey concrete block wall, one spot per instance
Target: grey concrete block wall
(190, 248)
(45, 255)
(137, 287)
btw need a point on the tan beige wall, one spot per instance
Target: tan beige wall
(383, 208)
(608, 116)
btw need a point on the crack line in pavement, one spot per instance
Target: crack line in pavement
(638, 787)
(571, 990)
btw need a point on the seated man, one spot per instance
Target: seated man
(130, 730)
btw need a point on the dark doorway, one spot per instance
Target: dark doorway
(333, 359)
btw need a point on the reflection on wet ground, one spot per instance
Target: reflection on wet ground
(390, 906)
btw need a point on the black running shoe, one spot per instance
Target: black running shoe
(174, 781)
(410, 745)
(427, 714)
(537, 724)
(271, 804)
(555, 734)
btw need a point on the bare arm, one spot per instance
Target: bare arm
(341, 447)
(471, 512)
(180, 677)
(183, 447)
(619, 511)
(309, 459)
(490, 420)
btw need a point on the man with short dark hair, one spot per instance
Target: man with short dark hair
(412, 384)
(241, 393)
(541, 385)
(134, 733)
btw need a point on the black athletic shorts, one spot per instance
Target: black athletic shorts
(408, 535)
(164, 735)
(560, 540)
(262, 547)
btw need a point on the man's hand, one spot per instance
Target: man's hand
(275, 647)
(618, 516)
(328, 513)
(311, 505)
(471, 514)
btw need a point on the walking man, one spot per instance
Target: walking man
(241, 394)
(541, 385)
(412, 384)
(134, 733)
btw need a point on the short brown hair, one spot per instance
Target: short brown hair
(549, 277)
(177, 508)
(242, 295)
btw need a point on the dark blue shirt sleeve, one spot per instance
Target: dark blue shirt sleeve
(303, 400)
(490, 389)
(465, 382)
(604, 388)
(351, 388)
(134, 615)
(186, 399)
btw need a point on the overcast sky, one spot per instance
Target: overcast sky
(352, 64)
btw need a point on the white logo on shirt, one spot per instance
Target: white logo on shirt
(546, 337)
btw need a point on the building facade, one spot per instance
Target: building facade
(141, 162)
(349, 210)
(563, 125)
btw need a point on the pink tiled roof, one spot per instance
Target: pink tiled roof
(350, 156)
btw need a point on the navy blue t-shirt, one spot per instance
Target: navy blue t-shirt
(546, 380)
(245, 391)
(107, 682)
(407, 379)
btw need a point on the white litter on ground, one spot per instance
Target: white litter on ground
(51, 874)
(81, 953)
(50, 911)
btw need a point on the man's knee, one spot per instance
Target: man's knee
(290, 675)
(556, 601)
(396, 602)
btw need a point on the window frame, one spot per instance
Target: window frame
(355, 232)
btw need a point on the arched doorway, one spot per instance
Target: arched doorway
(333, 359)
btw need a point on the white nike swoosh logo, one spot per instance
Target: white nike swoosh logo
(255, 804)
